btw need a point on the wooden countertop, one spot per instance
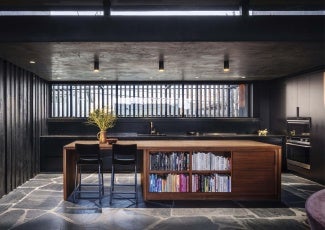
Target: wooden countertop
(224, 145)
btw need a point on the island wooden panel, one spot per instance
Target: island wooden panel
(250, 158)
(255, 173)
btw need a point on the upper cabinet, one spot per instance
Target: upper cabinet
(304, 99)
(298, 96)
(291, 97)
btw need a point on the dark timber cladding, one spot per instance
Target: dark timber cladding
(128, 29)
(2, 131)
(23, 112)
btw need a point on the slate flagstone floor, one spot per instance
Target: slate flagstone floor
(38, 204)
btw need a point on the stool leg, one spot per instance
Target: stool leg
(102, 179)
(99, 184)
(136, 184)
(112, 185)
(79, 180)
(75, 184)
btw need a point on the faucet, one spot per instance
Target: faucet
(152, 128)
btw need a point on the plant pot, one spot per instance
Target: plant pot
(101, 136)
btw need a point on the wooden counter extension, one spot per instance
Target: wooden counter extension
(254, 169)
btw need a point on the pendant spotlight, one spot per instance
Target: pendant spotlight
(226, 66)
(161, 64)
(96, 64)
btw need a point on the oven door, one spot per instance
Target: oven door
(298, 155)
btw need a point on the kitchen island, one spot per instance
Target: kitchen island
(51, 145)
(253, 172)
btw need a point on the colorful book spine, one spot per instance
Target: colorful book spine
(168, 183)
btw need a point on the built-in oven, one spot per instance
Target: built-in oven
(298, 144)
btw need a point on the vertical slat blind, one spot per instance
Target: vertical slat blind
(147, 100)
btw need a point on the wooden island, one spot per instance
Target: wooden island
(199, 169)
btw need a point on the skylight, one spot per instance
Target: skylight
(122, 13)
(177, 13)
(51, 13)
(286, 13)
(163, 13)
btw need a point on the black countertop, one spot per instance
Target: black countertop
(170, 136)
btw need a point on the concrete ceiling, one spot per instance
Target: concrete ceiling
(188, 61)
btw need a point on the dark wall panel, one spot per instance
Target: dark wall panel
(261, 103)
(23, 105)
(78, 126)
(2, 132)
(316, 106)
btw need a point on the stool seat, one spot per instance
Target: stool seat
(88, 161)
(315, 209)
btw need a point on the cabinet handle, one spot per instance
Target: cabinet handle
(298, 145)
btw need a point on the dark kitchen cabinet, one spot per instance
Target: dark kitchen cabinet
(297, 96)
(291, 97)
(307, 92)
(303, 97)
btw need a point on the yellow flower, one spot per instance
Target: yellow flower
(102, 118)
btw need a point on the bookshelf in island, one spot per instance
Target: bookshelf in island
(201, 169)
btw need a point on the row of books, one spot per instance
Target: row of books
(211, 183)
(177, 161)
(180, 183)
(209, 161)
(169, 183)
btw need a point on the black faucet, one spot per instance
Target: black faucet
(152, 128)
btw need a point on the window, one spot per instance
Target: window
(151, 100)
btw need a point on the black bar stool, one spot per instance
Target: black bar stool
(124, 155)
(88, 154)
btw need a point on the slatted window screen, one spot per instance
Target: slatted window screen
(149, 100)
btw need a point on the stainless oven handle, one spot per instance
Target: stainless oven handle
(304, 146)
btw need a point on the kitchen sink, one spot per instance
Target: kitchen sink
(194, 133)
(218, 134)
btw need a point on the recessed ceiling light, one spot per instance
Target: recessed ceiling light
(32, 62)
(243, 77)
(197, 77)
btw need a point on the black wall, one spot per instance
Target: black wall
(261, 103)
(78, 127)
(306, 92)
(23, 113)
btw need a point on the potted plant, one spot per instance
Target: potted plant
(103, 119)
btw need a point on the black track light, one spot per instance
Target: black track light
(161, 65)
(96, 64)
(226, 66)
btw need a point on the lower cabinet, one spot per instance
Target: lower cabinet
(255, 174)
(208, 174)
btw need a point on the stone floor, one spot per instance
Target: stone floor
(38, 204)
